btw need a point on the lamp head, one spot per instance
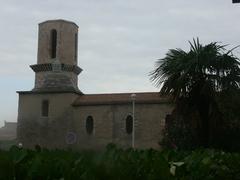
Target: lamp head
(133, 96)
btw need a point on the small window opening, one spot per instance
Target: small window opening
(53, 43)
(45, 108)
(168, 121)
(129, 124)
(89, 124)
(76, 46)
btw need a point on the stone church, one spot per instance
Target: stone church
(56, 114)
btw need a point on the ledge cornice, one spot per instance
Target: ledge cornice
(48, 67)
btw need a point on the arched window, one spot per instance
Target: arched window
(76, 46)
(89, 124)
(168, 121)
(53, 43)
(45, 108)
(129, 124)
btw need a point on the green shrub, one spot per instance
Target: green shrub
(116, 163)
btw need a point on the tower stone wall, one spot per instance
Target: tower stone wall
(66, 47)
(57, 46)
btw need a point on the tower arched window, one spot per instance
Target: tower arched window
(76, 46)
(45, 108)
(53, 44)
(89, 124)
(129, 124)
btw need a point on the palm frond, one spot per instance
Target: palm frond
(210, 65)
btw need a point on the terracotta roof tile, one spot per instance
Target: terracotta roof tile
(120, 98)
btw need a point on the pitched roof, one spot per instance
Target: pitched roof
(120, 98)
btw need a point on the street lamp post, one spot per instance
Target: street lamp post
(133, 97)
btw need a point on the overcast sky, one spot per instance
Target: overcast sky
(119, 40)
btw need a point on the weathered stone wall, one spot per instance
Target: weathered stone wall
(109, 123)
(46, 131)
(65, 51)
(103, 126)
(40, 77)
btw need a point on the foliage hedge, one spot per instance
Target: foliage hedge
(182, 125)
(115, 163)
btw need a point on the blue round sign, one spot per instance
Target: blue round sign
(71, 138)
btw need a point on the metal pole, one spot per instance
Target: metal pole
(133, 97)
(133, 129)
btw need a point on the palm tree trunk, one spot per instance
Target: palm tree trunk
(203, 109)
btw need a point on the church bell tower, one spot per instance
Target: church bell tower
(56, 69)
(45, 113)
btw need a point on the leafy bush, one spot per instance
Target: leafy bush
(183, 126)
(115, 163)
(228, 134)
(181, 130)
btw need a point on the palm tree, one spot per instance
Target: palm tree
(198, 76)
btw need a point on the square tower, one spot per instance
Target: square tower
(45, 113)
